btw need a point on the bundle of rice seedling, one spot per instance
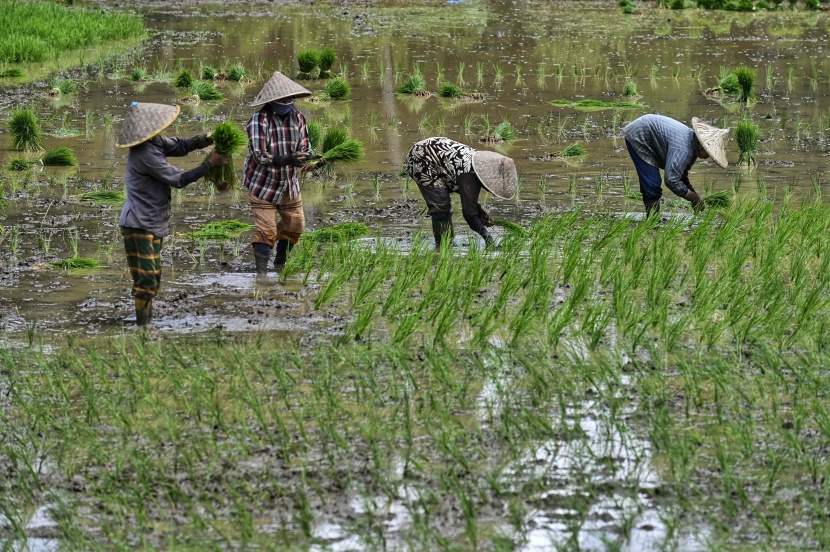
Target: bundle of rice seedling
(208, 72)
(630, 89)
(63, 86)
(75, 263)
(307, 61)
(222, 230)
(236, 72)
(413, 83)
(338, 233)
(60, 157)
(513, 228)
(315, 134)
(450, 90)
(504, 130)
(350, 151)
(746, 83)
(184, 79)
(139, 74)
(205, 90)
(718, 200)
(574, 150)
(326, 61)
(228, 140)
(598, 104)
(334, 136)
(338, 89)
(729, 85)
(11, 73)
(17, 164)
(746, 135)
(103, 196)
(25, 131)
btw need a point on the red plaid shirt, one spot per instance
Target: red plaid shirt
(269, 136)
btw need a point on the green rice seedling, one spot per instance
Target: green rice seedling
(513, 228)
(574, 150)
(339, 233)
(598, 104)
(60, 157)
(208, 72)
(103, 196)
(334, 136)
(223, 230)
(729, 85)
(307, 60)
(205, 90)
(718, 200)
(327, 59)
(505, 131)
(183, 79)
(450, 90)
(460, 78)
(11, 73)
(746, 83)
(350, 151)
(414, 83)
(17, 164)
(236, 72)
(62, 86)
(231, 141)
(139, 74)
(630, 89)
(75, 263)
(25, 131)
(746, 135)
(338, 89)
(315, 135)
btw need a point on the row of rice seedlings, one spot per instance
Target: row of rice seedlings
(231, 141)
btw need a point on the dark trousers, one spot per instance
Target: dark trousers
(651, 183)
(144, 259)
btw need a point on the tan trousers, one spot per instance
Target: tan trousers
(291, 220)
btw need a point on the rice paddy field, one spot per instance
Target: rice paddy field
(595, 381)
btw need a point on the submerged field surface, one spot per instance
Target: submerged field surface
(598, 382)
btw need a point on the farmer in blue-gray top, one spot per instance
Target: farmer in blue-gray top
(656, 142)
(145, 217)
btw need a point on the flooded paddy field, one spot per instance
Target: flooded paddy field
(602, 383)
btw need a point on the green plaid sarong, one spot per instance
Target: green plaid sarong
(144, 259)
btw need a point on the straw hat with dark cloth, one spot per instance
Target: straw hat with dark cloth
(145, 120)
(713, 140)
(496, 172)
(279, 88)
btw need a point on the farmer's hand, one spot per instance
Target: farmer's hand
(217, 159)
(693, 197)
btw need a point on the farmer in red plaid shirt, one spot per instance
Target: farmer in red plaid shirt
(278, 147)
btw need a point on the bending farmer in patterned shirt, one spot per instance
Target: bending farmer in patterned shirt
(278, 147)
(656, 142)
(145, 217)
(440, 166)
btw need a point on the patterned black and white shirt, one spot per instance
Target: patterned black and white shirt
(436, 162)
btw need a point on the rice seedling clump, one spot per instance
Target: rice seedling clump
(62, 85)
(103, 196)
(183, 79)
(228, 140)
(315, 134)
(746, 135)
(513, 228)
(338, 148)
(505, 131)
(208, 72)
(25, 131)
(746, 84)
(17, 164)
(718, 200)
(598, 104)
(76, 263)
(60, 157)
(450, 90)
(412, 84)
(11, 73)
(338, 89)
(236, 72)
(205, 90)
(326, 62)
(338, 233)
(307, 60)
(574, 150)
(630, 89)
(222, 230)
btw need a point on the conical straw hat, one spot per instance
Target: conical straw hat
(713, 140)
(145, 120)
(279, 87)
(497, 173)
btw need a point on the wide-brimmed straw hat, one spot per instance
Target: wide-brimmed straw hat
(713, 140)
(145, 120)
(279, 88)
(497, 173)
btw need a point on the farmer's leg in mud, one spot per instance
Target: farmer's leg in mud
(651, 183)
(143, 251)
(290, 228)
(440, 209)
(265, 219)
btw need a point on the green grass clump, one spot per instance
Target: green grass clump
(17, 165)
(236, 72)
(183, 79)
(599, 104)
(315, 134)
(505, 131)
(139, 74)
(109, 197)
(75, 263)
(450, 90)
(574, 150)
(326, 61)
(338, 88)
(746, 83)
(513, 228)
(206, 90)
(307, 61)
(718, 200)
(63, 85)
(40, 31)
(746, 135)
(412, 84)
(222, 230)
(60, 157)
(338, 233)
(229, 140)
(630, 89)
(11, 73)
(25, 131)
(208, 72)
